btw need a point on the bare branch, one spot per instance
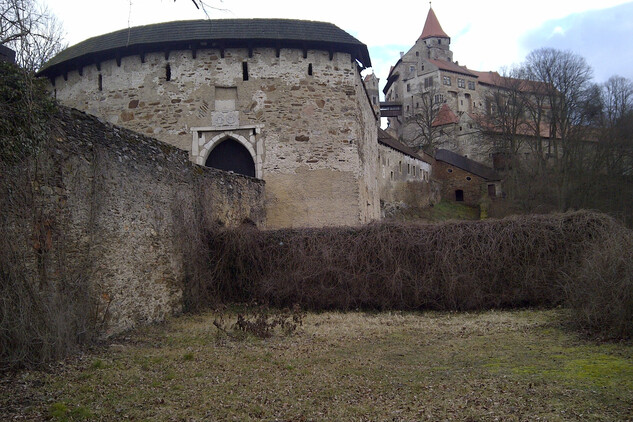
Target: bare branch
(31, 30)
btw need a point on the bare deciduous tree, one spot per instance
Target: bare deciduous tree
(425, 130)
(30, 29)
(205, 7)
(565, 79)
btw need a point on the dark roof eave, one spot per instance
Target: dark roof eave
(160, 37)
(467, 164)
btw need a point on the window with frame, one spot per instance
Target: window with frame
(446, 80)
(471, 85)
(428, 82)
(408, 87)
(461, 83)
(412, 69)
(439, 98)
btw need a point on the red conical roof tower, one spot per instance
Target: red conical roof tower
(432, 27)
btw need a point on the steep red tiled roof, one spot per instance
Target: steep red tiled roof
(524, 128)
(489, 78)
(452, 67)
(432, 27)
(494, 79)
(445, 116)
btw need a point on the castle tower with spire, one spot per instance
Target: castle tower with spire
(434, 40)
(438, 97)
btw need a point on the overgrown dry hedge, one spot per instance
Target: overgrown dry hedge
(520, 261)
(600, 292)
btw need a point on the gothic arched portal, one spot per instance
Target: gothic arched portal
(230, 155)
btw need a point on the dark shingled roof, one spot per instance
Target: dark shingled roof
(388, 140)
(466, 164)
(6, 54)
(200, 34)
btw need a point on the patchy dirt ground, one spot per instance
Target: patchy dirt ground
(510, 366)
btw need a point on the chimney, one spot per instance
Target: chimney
(401, 54)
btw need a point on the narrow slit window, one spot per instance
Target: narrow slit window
(100, 82)
(310, 69)
(244, 71)
(167, 72)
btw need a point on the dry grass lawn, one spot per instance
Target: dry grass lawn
(510, 366)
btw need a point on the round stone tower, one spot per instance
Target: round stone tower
(281, 100)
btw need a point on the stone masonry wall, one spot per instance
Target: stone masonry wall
(126, 213)
(403, 180)
(453, 178)
(306, 121)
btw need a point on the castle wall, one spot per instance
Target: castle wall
(307, 122)
(403, 179)
(125, 214)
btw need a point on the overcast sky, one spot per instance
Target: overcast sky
(485, 35)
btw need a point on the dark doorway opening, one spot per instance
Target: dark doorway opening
(459, 195)
(492, 191)
(230, 155)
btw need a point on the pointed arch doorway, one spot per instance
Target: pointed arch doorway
(231, 155)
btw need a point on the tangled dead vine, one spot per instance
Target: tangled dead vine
(515, 262)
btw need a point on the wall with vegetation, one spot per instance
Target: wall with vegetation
(99, 225)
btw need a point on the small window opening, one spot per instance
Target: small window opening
(100, 82)
(469, 178)
(310, 69)
(392, 175)
(459, 195)
(167, 72)
(244, 71)
(408, 168)
(449, 170)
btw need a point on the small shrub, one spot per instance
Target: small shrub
(261, 322)
(97, 364)
(60, 411)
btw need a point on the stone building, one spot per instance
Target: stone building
(279, 100)
(6, 54)
(404, 175)
(373, 91)
(465, 180)
(451, 98)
